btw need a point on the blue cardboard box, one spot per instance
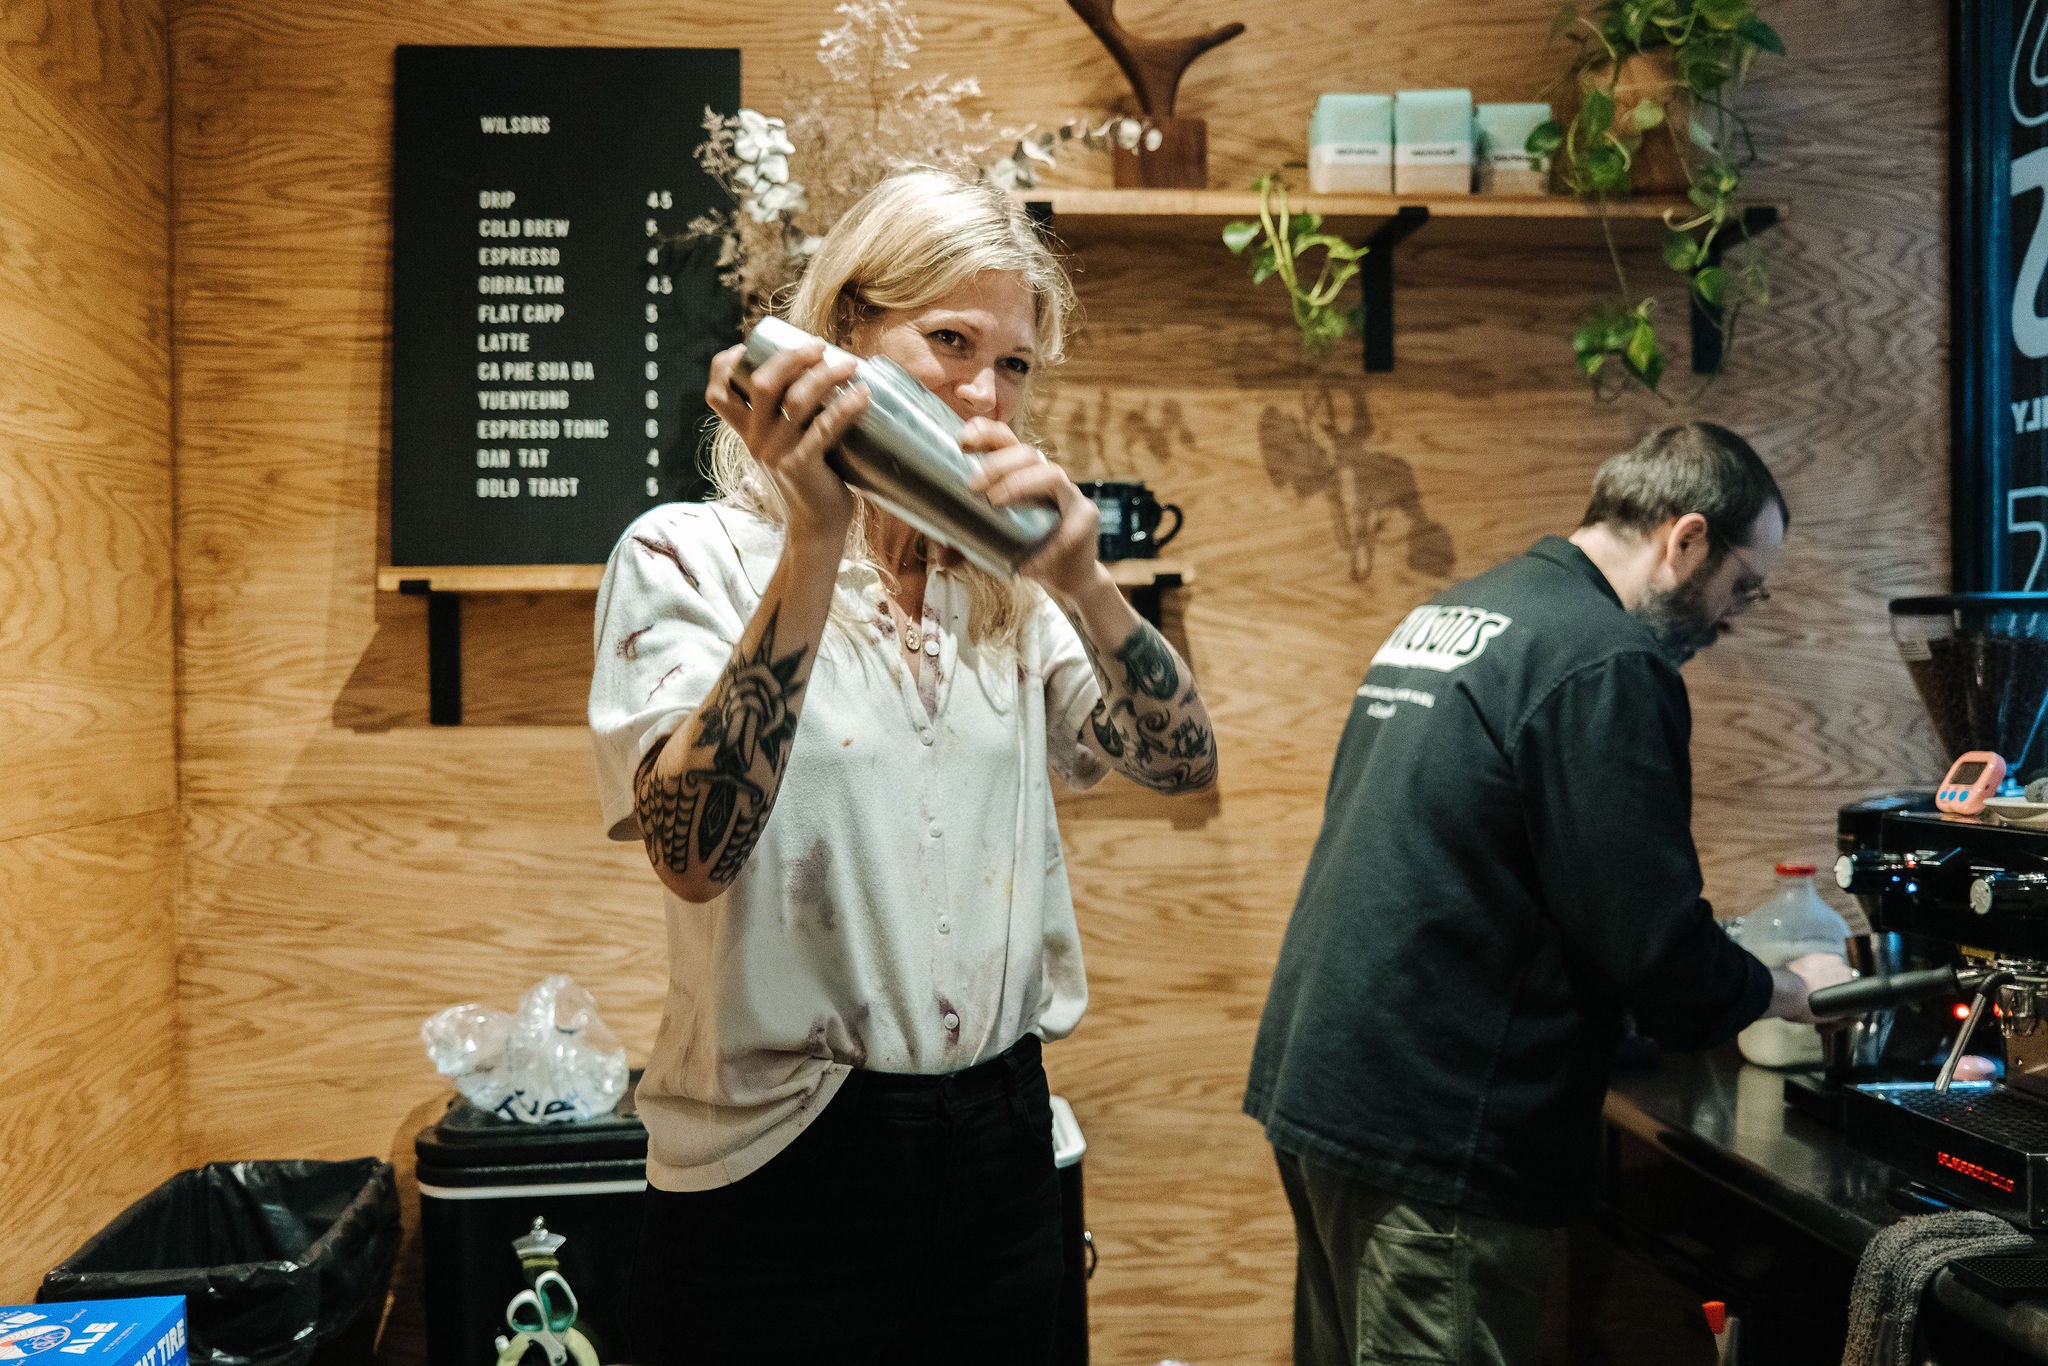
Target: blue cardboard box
(143, 1332)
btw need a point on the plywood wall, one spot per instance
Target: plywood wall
(351, 869)
(88, 779)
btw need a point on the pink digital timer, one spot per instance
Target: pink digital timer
(1971, 779)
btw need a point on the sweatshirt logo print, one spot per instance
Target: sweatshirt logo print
(1442, 638)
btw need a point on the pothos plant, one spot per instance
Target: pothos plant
(1710, 46)
(1284, 243)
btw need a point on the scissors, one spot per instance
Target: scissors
(545, 1314)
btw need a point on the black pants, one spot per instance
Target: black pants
(916, 1220)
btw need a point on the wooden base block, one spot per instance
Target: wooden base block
(1179, 162)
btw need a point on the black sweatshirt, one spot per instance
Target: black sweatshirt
(1505, 868)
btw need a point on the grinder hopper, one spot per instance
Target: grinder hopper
(1980, 662)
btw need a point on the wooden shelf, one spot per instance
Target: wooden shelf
(1397, 217)
(584, 578)
(1099, 203)
(490, 578)
(443, 586)
(1147, 573)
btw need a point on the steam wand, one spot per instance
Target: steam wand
(1986, 989)
(1877, 993)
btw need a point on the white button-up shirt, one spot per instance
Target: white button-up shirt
(906, 908)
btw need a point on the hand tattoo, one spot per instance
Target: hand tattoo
(711, 817)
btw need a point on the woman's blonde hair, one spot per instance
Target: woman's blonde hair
(910, 241)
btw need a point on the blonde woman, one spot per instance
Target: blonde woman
(834, 739)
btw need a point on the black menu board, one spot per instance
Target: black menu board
(550, 333)
(1998, 354)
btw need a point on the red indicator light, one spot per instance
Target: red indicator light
(1717, 1316)
(1960, 1010)
(1974, 1171)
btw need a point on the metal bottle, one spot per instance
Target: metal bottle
(904, 452)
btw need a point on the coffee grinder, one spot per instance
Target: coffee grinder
(1967, 896)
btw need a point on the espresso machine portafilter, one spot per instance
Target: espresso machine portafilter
(904, 452)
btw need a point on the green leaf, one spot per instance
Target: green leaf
(1646, 361)
(1711, 284)
(1355, 321)
(1301, 224)
(1607, 167)
(1264, 262)
(1680, 251)
(1596, 115)
(1647, 115)
(1724, 14)
(1762, 34)
(1756, 277)
(1545, 138)
(1238, 236)
(1703, 196)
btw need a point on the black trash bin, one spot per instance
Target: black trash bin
(280, 1263)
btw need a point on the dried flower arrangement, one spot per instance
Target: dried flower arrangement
(866, 119)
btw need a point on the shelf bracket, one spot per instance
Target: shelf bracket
(1707, 319)
(1376, 277)
(1146, 598)
(444, 651)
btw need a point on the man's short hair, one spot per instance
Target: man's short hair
(1692, 467)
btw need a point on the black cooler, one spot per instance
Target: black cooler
(484, 1180)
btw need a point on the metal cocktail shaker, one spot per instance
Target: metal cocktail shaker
(904, 452)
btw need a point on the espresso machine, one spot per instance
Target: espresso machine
(1960, 877)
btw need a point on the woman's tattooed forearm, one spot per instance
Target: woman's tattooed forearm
(1155, 731)
(1148, 665)
(710, 815)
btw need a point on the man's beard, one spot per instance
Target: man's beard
(1679, 617)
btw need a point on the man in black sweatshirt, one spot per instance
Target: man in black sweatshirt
(1505, 872)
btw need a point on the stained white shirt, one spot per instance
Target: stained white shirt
(906, 908)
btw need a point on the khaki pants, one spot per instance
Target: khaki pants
(1379, 1279)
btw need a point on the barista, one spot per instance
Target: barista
(1505, 871)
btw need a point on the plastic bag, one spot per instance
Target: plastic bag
(552, 1061)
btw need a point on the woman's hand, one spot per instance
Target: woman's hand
(790, 413)
(1011, 473)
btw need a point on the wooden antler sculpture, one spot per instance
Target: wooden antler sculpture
(1154, 66)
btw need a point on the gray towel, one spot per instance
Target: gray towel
(1896, 1266)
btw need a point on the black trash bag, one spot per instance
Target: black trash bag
(280, 1263)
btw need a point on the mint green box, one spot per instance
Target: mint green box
(1433, 142)
(1351, 144)
(1503, 138)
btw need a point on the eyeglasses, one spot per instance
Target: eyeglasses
(1749, 586)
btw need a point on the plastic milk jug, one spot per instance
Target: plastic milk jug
(1793, 923)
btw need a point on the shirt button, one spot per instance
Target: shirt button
(945, 927)
(931, 647)
(925, 735)
(951, 1021)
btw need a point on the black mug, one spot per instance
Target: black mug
(1130, 519)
